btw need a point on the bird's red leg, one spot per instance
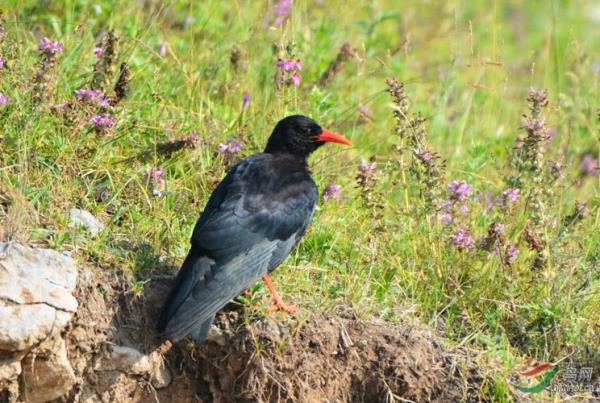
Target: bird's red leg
(278, 302)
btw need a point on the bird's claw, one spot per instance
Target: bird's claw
(280, 306)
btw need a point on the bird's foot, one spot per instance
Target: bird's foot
(278, 304)
(281, 306)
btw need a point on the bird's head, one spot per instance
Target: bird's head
(300, 135)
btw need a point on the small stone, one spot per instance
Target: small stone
(215, 335)
(131, 361)
(126, 359)
(47, 376)
(161, 375)
(85, 219)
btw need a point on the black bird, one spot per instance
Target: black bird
(251, 222)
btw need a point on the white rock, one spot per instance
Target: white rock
(161, 375)
(47, 375)
(85, 219)
(36, 303)
(22, 326)
(131, 361)
(38, 276)
(126, 359)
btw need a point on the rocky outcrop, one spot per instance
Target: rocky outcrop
(49, 345)
(36, 303)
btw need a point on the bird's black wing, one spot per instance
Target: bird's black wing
(250, 224)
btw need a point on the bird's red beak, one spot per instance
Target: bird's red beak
(332, 137)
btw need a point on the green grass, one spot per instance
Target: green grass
(468, 67)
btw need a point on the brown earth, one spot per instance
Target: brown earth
(337, 357)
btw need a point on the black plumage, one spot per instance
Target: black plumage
(251, 222)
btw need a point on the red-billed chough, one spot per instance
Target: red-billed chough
(251, 222)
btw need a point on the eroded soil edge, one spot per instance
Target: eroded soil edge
(311, 357)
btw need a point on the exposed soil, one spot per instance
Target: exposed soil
(307, 358)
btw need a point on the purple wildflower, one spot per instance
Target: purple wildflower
(50, 48)
(103, 120)
(156, 177)
(154, 173)
(98, 50)
(536, 124)
(62, 105)
(512, 252)
(463, 239)
(589, 166)
(289, 65)
(424, 156)
(511, 195)
(235, 146)
(192, 140)
(447, 204)
(289, 71)
(540, 96)
(103, 102)
(460, 190)
(498, 228)
(245, 100)
(4, 99)
(2, 63)
(296, 79)
(332, 191)
(365, 112)
(465, 210)
(550, 133)
(92, 96)
(231, 147)
(367, 168)
(444, 218)
(282, 10)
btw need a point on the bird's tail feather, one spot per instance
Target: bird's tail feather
(184, 283)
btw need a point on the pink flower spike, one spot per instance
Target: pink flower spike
(296, 79)
(289, 65)
(332, 191)
(98, 51)
(444, 218)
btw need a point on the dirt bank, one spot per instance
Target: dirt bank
(117, 356)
